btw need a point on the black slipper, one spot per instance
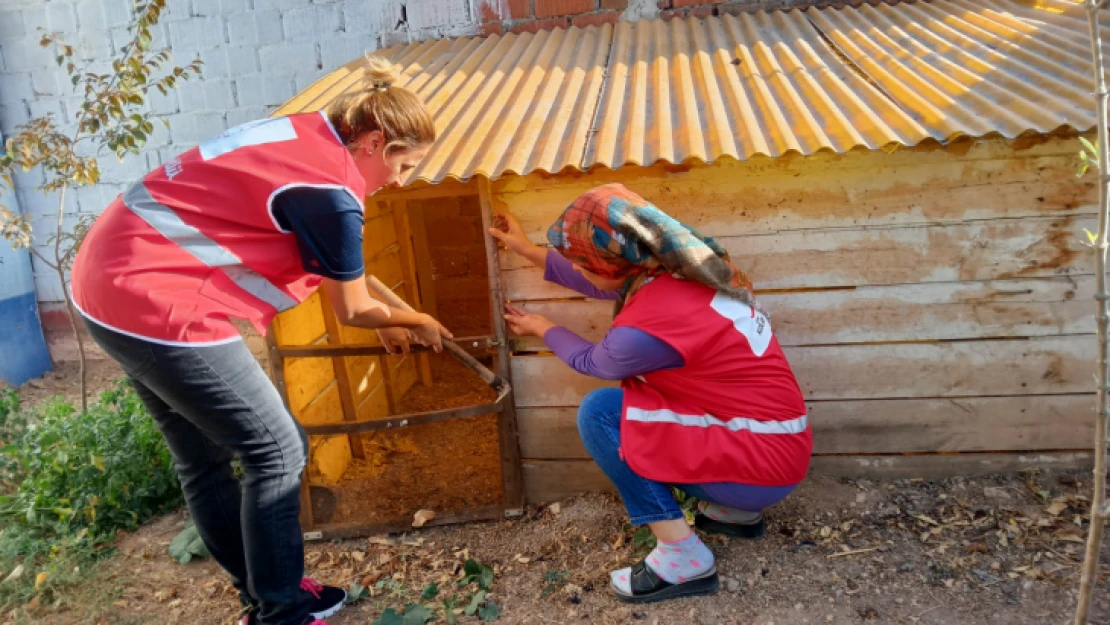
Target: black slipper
(747, 531)
(647, 587)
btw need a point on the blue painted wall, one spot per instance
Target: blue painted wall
(23, 354)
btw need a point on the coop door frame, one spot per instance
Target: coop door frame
(418, 294)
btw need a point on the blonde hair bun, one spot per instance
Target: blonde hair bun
(383, 74)
(382, 104)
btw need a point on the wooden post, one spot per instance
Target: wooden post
(277, 374)
(512, 477)
(413, 291)
(342, 377)
(423, 256)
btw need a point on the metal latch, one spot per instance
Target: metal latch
(313, 535)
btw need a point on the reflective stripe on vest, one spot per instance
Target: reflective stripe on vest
(163, 219)
(792, 426)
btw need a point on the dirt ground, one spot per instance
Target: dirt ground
(102, 374)
(447, 466)
(997, 550)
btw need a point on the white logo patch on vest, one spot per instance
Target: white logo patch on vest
(753, 325)
(257, 132)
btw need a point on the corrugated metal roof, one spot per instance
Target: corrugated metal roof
(973, 67)
(740, 86)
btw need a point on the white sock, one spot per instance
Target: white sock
(673, 562)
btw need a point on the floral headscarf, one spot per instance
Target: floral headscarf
(614, 233)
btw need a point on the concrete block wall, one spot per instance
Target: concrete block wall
(501, 16)
(257, 54)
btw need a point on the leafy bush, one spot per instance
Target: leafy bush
(69, 480)
(101, 470)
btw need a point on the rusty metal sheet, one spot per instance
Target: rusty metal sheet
(769, 83)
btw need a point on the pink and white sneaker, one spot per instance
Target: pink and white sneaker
(327, 600)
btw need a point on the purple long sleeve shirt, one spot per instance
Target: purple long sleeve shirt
(622, 354)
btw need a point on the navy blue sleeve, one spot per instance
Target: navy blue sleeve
(328, 226)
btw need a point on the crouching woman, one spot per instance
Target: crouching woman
(707, 402)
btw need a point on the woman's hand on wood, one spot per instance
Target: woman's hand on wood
(523, 323)
(395, 340)
(507, 230)
(430, 333)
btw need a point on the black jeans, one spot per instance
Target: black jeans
(212, 403)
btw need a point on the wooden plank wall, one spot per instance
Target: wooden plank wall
(330, 390)
(928, 300)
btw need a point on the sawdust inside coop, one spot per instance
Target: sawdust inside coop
(447, 467)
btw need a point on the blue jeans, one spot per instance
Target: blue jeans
(599, 424)
(211, 403)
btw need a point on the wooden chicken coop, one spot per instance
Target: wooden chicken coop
(898, 180)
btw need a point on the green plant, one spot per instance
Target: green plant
(70, 479)
(449, 605)
(643, 538)
(9, 405)
(687, 502)
(188, 545)
(109, 120)
(414, 615)
(474, 585)
(554, 582)
(476, 573)
(357, 592)
(100, 470)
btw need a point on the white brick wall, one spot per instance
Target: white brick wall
(257, 54)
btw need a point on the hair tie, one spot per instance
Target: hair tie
(380, 86)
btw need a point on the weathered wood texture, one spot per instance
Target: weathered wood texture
(552, 480)
(929, 301)
(885, 426)
(908, 312)
(1036, 366)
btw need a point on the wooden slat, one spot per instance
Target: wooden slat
(940, 311)
(413, 294)
(553, 480)
(342, 379)
(405, 374)
(277, 374)
(305, 378)
(335, 531)
(948, 465)
(982, 250)
(301, 325)
(365, 375)
(423, 255)
(380, 233)
(386, 265)
(1038, 366)
(327, 407)
(375, 405)
(423, 191)
(406, 420)
(512, 480)
(850, 190)
(882, 426)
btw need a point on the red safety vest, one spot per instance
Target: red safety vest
(732, 413)
(195, 243)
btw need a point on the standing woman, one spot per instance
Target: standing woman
(707, 401)
(243, 227)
